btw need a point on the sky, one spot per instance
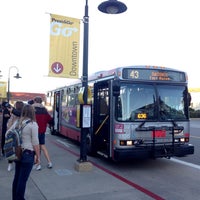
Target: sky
(151, 32)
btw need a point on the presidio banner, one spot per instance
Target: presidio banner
(64, 47)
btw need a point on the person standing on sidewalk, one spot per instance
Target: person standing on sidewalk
(5, 118)
(43, 118)
(30, 152)
(15, 115)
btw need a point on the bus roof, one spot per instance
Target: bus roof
(118, 71)
(146, 70)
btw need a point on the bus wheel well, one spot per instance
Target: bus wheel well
(90, 147)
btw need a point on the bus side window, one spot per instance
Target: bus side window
(71, 100)
(76, 100)
(119, 108)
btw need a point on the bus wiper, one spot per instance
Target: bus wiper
(141, 128)
(174, 123)
(173, 128)
(142, 124)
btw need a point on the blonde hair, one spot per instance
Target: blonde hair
(28, 111)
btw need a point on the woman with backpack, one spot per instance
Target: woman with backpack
(30, 150)
(15, 115)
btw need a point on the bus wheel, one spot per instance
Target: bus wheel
(90, 147)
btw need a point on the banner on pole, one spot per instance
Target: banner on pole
(64, 47)
(3, 86)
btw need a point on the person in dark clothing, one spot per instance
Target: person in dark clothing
(31, 101)
(43, 118)
(5, 118)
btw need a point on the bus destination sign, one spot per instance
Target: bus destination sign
(153, 75)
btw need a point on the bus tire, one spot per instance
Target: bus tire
(90, 147)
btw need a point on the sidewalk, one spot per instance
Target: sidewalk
(63, 182)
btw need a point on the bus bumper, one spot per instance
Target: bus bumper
(184, 150)
(153, 152)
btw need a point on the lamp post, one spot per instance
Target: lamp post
(17, 76)
(109, 7)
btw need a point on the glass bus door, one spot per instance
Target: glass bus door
(101, 119)
(56, 112)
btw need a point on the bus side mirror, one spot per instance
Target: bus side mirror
(189, 99)
(116, 88)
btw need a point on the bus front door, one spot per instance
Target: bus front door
(56, 113)
(101, 118)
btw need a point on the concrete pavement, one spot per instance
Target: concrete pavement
(63, 182)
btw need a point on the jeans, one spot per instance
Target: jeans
(22, 171)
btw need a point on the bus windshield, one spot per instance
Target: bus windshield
(151, 102)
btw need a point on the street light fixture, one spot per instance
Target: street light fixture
(17, 76)
(111, 7)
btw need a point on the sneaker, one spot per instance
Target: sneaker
(38, 167)
(10, 167)
(49, 165)
(34, 166)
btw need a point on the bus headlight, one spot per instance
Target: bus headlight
(126, 142)
(182, 139)
(129, 142)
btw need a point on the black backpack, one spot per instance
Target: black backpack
(12, 146)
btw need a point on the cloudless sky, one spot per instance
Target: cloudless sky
(150, 32)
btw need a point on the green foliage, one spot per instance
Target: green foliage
(194, 113)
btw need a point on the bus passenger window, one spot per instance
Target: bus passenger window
(71, 101)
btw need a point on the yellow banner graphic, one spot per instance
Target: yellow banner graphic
(3, 86)
(64, 47)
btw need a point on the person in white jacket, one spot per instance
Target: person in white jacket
(30, 152)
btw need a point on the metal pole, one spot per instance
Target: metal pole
(8, 94)
(83, 147)
(17, 76)
(119, 8)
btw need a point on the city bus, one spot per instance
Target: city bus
(138, 112)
